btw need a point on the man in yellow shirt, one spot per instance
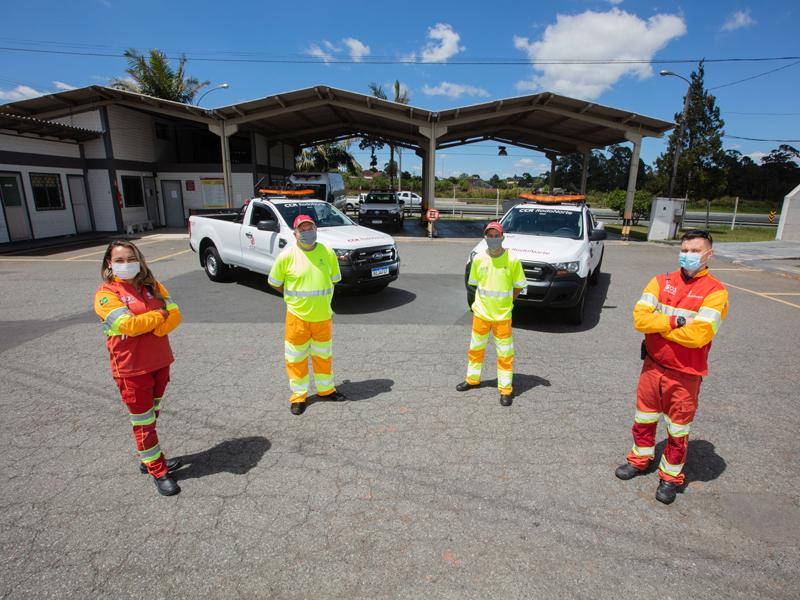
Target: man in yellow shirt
(305, 274)
(500, 279)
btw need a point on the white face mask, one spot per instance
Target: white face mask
(125, 270)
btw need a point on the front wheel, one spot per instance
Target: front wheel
(595, 277)
(574, 314)
(213, 265)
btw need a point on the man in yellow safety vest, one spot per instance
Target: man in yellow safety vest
(499, 279)
(306, 273)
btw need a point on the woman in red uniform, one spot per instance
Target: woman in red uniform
(137, 315)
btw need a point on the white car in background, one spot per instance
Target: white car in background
(560, 245)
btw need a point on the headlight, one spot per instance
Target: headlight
(564, 268)
(342, 255)
(394, 211)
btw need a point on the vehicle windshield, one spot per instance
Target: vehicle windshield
(324, 214)
(553, 222)
(387, 198)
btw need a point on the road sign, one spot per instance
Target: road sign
(771, 216)
(432, 214)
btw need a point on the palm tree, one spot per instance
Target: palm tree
(152, 75)
(401, 96)
(328, 157)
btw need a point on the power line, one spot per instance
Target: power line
(415, 61)
(716, 87)
(749, 139)
(762, 114)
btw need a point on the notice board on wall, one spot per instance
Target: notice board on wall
(213, 190)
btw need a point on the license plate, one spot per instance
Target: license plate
(524, 291)
(378, 271)
(377, 221)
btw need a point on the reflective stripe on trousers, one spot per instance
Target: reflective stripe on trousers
(301, 339)
(504, 344)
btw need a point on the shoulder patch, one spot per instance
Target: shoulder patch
(103, 300)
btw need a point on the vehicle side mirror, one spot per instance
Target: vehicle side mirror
(598, 235)
(267, 226)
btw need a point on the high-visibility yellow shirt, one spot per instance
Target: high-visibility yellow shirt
(307, 278)
(496, 279)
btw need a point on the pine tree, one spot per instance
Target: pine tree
(702, 159)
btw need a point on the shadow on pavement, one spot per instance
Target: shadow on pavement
(552, 320)
(235, 456)
(522, 383)
(353, 302)
(357, 390)
(702, 461)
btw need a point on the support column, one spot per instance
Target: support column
(429, 169)
(585, 169)
(225, 131)
(633, 172)
(552, 157)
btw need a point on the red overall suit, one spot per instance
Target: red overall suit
(675, 364)
(140, 357)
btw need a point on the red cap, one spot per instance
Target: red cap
(303, 219)
(493, 225)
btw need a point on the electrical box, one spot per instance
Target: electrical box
(665, 218)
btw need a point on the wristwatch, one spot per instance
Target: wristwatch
(680, 321)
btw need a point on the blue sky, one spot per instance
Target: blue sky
(445, 33)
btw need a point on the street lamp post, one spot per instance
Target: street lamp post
(221, 86)
(679, 141)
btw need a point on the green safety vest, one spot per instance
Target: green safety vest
(307, 279)
(496, 279)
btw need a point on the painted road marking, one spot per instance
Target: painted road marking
(104, 251)
(782, 293)
(169, 255)
(762, 295)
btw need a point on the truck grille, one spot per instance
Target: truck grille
(373, 256)
(537, 271)
(378, 213)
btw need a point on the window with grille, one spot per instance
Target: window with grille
(132, 191)
(47, 192)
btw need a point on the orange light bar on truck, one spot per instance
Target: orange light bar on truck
(267, 192)
(553, 199)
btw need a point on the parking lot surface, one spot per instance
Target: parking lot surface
(410, 489)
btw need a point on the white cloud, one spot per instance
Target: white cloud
(530, 164)
(615, 2)
(611, 35)
(330, 46)
(317, 52)
(358, 49)
(409, 58)
(738, 20)
(61, 86)
(756, 156)
(442, 44)
(21, 92)
(454, 90)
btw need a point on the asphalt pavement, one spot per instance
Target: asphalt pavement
(410, 489)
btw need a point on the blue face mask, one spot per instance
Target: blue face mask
(690, 261)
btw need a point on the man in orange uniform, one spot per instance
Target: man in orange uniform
(679, 313)
(306, 274)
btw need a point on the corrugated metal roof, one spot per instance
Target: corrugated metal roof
(22, 124)
(545, 121)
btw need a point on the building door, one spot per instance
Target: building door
(80, 204)
(173, 203)
(16, 212)
(151, 200)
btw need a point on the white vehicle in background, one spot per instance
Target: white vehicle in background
(326, 186)
(410, 200)
(252, 238)
(560, 245)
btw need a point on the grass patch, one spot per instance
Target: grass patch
(638, 232)
(743, 234)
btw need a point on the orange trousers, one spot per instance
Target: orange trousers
(504, 343)
(673, 395)
(301, 339)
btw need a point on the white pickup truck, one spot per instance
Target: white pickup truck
(253, 237)
(560, 245)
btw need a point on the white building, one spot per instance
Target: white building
(96, 159)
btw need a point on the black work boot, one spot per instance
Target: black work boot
(335, 396)
(505, 400)
(627, 471)
(298, 408)
(166, 485)
(173, 464)
(666, 492)
(464, 386)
